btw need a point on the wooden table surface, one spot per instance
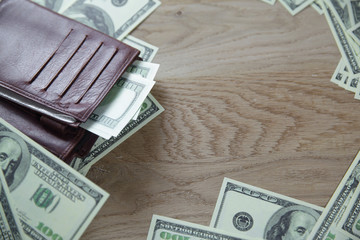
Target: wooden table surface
(247, 95)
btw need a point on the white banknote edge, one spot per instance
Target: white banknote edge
(105, 132)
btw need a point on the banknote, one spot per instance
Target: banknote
(146, 70)
(52, 200)
(147, 50)
(295, 6)
(338, 203)
(343, 41)
(339, 73)
(150, 109)
(350, 221)
(355, 11)
(164, 228)
(341, 10)
(119, 105)
(242, 208)
(354, 32)
(10, 227)
(116, 18)
(352, 84)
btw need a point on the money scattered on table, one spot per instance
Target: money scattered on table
(46, 191)
(245, 209)
(10, 227)
(162, 228)
(343, 18)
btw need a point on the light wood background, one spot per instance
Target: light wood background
(247, 95)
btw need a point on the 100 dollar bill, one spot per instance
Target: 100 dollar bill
(164, 228)
(53, 201)
(245, 209)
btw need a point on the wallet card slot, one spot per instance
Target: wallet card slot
(73, 68)
(84, 71)
(49, 58)
(91, 74)
(60, 60)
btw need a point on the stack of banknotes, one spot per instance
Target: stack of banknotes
(343, 17)
(129, 105)
(41, 197)
(244, 212)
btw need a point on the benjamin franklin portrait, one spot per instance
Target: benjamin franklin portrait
(291, 223)
(14, 158)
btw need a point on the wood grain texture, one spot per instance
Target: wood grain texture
(247, 95)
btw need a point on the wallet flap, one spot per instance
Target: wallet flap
(57, 62)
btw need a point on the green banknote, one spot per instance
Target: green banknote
(164, 228)
(245, 209)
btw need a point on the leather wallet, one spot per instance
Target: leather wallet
(54, 72)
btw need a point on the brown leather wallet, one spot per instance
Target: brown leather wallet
(54, 72)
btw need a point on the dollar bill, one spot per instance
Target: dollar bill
(164, 228)
(10, 227)
(343, 41)
(52, 200)
(119, 105)
(242, 208)
(150, 109)
(295, 6)
(342, 11)
(116, 18)
(350, 221)
(147, 51)
(144, 69)
(339, 73)
(338, 203)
